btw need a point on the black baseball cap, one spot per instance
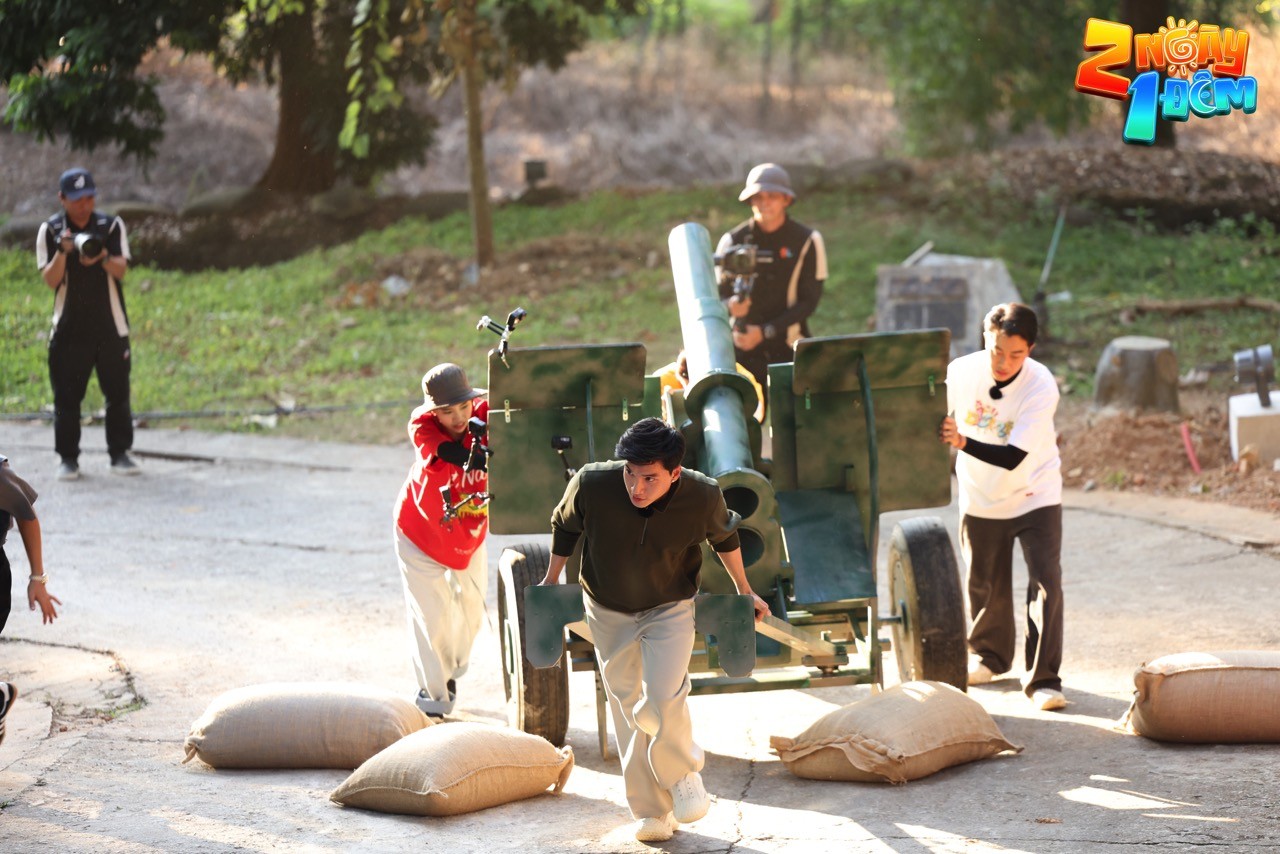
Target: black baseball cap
(76, 184)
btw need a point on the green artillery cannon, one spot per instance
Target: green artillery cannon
(854, 434)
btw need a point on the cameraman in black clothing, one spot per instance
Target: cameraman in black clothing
(83, 256)
(774, 315)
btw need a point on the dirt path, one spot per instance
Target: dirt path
(245, 559)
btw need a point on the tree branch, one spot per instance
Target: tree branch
(1193, 306)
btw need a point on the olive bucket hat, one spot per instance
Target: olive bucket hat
(767, 177)
(445, 385)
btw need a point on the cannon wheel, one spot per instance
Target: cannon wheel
(537, 698)
(924, 588)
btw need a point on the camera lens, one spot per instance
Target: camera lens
(88, 245)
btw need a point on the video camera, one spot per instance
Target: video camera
(478, 459)
(89, 244)
(740, 262)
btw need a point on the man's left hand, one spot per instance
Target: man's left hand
(748, 338)
(761, 606)
(96, 259)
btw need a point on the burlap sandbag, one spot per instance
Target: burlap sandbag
(909, 731)
(1208, 697)
(456, 768)
(301, 725)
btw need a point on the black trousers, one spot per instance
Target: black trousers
(6, 581)
(987, 545)
(73, 356)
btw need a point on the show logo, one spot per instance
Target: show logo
(1203, 65)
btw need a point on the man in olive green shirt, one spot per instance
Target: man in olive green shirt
(645, 519)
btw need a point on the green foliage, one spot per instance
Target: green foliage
(966, 75)
(72, 69)
(959, 70)
(498, 37)
(241, 340)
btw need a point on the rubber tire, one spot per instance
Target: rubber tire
(930, 639)
(537, 697)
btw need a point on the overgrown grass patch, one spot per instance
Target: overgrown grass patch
(251, 340)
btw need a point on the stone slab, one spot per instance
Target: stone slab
(950, 291)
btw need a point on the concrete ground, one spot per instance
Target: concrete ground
(236, 560)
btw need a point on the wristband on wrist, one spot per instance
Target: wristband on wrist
(42, 578)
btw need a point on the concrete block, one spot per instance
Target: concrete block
(1253, 424)
(952, 291)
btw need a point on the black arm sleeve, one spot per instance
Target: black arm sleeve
(452, 452)
(1004, 456)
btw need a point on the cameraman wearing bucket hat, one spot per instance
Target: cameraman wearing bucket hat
(768, 321)
(83, 256)
(442, 557)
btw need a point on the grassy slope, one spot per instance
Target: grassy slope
(242, 339)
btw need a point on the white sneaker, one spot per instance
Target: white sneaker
(690, 800)
(1048, 699)
(68, 470)
(980, 674)
(658, 829)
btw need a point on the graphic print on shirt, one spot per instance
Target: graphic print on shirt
(984, 417)
(467, 485)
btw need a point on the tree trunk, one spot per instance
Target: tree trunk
(797, 29)
(1136, 372)
(1148, 16)
(766, 60)
(647, 27)
(481, 213)
(301, 163)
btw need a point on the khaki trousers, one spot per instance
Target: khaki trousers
(644, 662)
(445, 608)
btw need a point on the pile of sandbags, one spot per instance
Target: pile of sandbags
(1208, 697)
(403, 762)
(907, 732)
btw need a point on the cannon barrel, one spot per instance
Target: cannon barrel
(718, 399)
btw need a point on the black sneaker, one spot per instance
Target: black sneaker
(8, 693)
(68, 470)
(124, 465)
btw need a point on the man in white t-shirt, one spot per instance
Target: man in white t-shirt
(1002, 404)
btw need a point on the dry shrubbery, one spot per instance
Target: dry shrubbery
(665, 114)
(615, 116)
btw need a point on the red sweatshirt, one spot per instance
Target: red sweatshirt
(419, 508)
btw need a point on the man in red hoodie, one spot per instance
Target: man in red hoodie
(442, 556)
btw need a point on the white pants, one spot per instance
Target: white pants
(644, 661)
(445, 610)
